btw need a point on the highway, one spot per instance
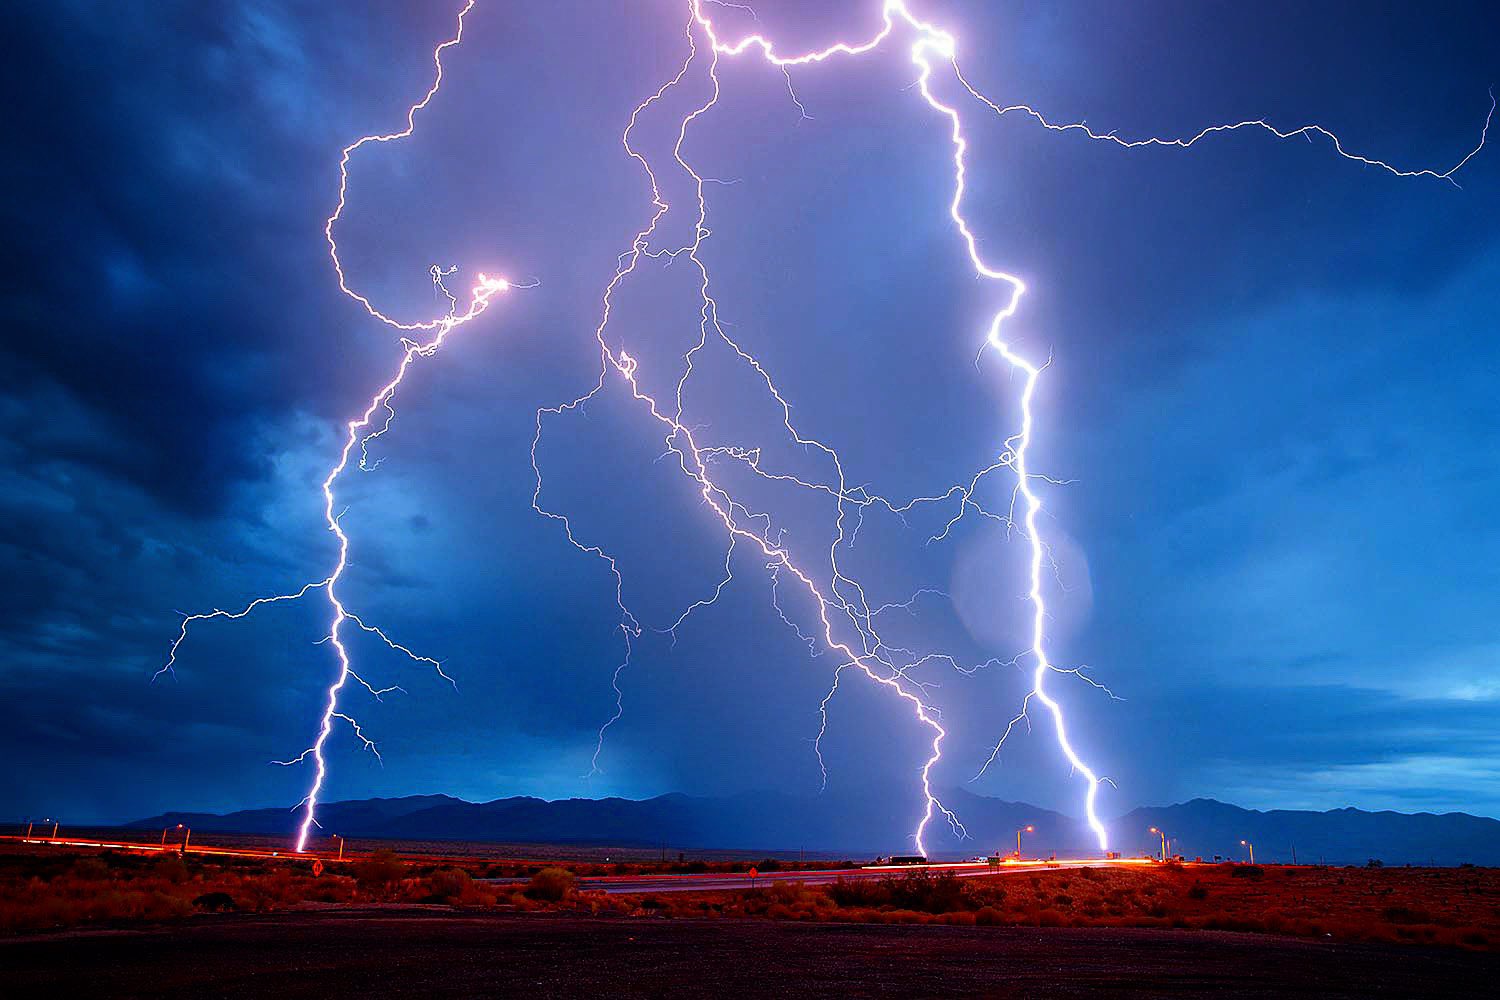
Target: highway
(616, 884)
(721, 881)
(174, 846)
(170, 847)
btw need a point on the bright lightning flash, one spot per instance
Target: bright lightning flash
(841, 599)
(361, 431)
(839, 602)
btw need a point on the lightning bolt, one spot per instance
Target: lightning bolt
(841, 599)
(359, 432)
(838, 602)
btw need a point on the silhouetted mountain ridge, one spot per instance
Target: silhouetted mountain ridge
(1344, 835)
(864, 822)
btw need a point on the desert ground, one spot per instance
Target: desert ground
(367, 954)
(112, 923)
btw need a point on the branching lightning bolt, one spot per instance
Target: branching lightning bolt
(358, 433)
(842, 598)
(839, 602)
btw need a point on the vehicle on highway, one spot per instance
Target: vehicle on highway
(903, 859)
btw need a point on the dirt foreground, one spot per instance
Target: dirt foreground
(436, 953)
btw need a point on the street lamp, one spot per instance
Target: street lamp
(1246, 843)
(1163, 837)
(164, 835)
(1024, 829)
(341, 845)
(54, 828)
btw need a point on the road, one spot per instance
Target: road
(170, 847)
(721, 881)
(612, 884)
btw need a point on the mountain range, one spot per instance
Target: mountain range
(861, 825)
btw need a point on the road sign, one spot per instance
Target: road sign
(317, 866)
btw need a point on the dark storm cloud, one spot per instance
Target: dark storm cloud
(1273, 381)
(160, 227)
(1317, 725)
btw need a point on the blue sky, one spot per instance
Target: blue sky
(1271, 393)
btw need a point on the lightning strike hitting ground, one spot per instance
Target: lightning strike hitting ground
(841, 597)
(838, 602)
(361, 431)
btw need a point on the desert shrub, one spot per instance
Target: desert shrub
(927, 893)
(984, 893)
(859, 892)
(1374, 863)
(380, 870)
(1248, 871)
(215, 902)
(857, 915)
(269, 892)
(903, 917)
(89, 869)
(1198, 891)
(447, 885)
(173, 869)
(1405, 915)
(328, 889)
(988, 916)
(600, 903)
(785, 892)
(552, 885)
(964, 919)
